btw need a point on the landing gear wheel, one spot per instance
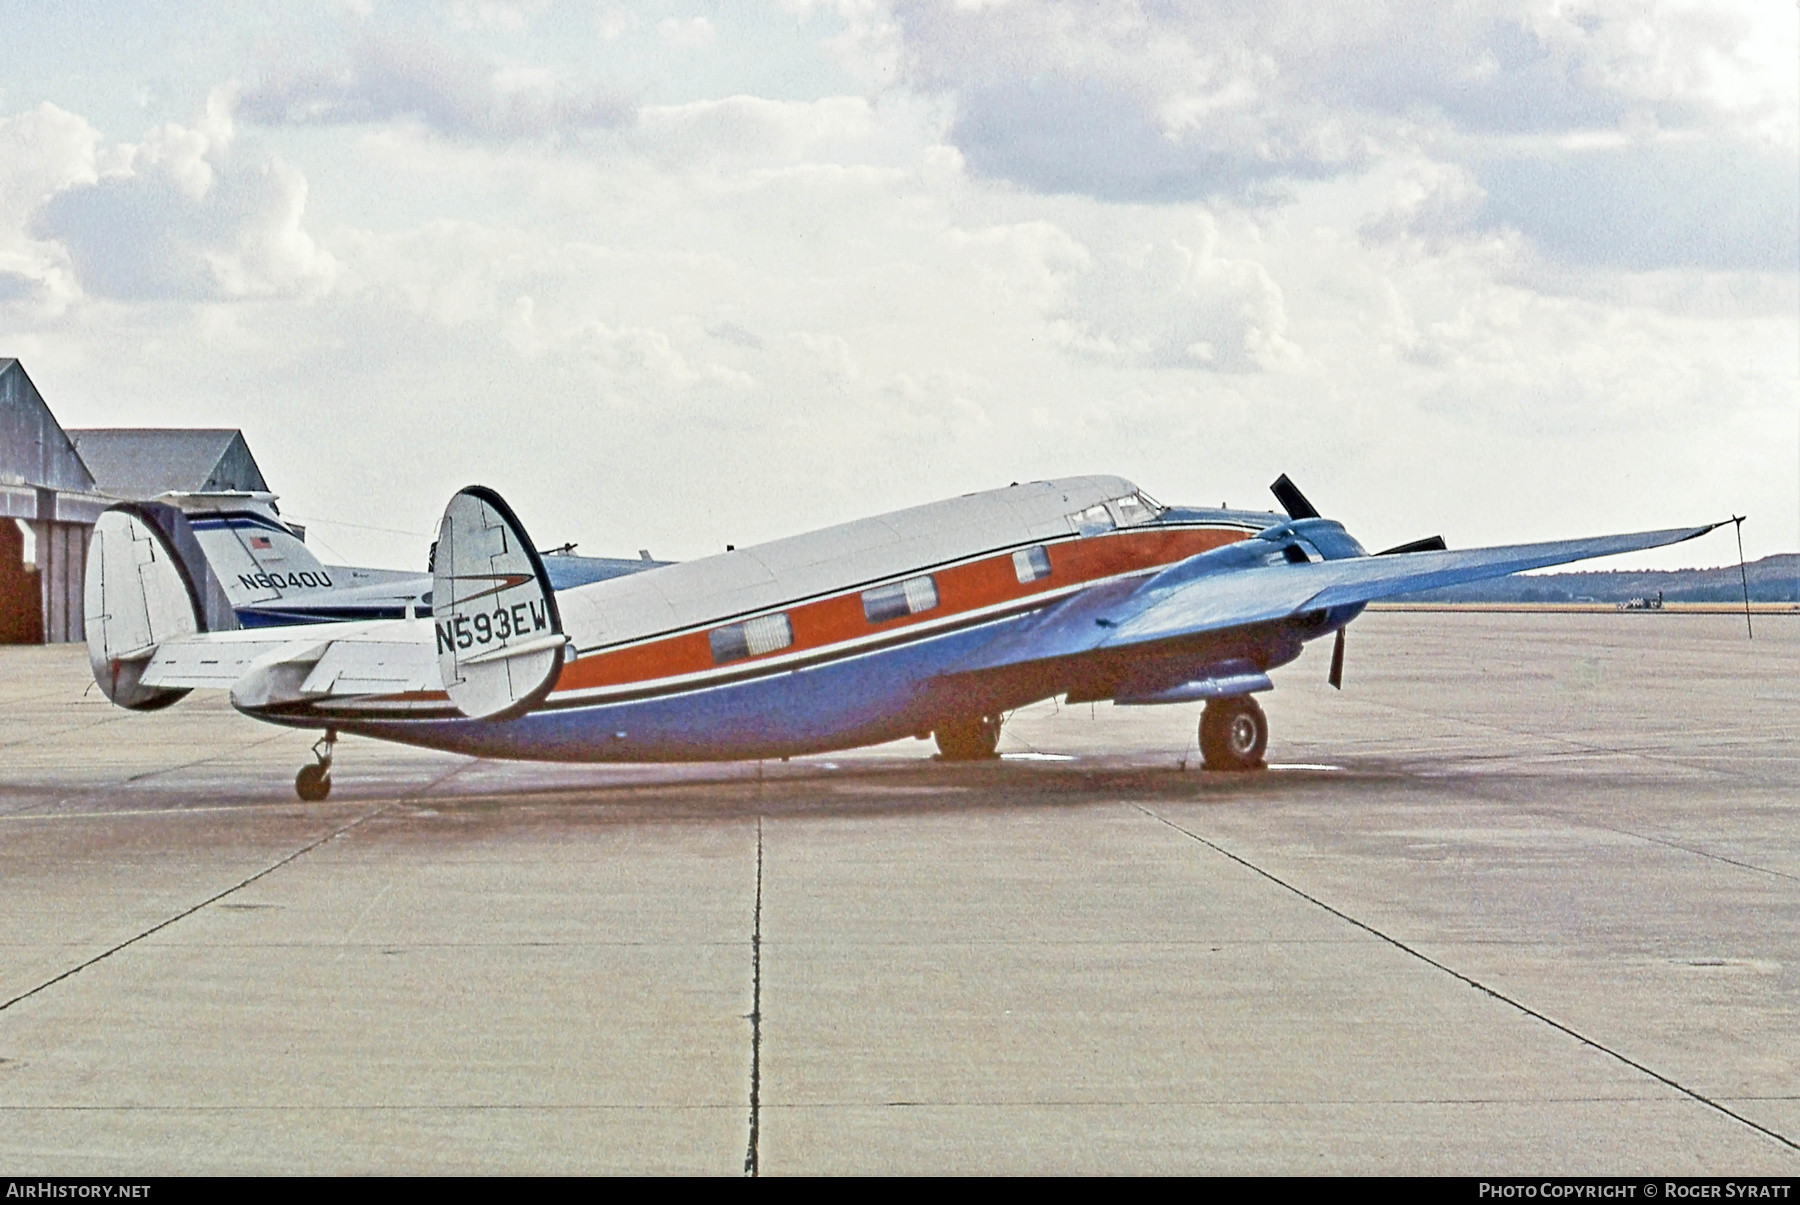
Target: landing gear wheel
(971, 739)
(313, 783)
(1233, 734)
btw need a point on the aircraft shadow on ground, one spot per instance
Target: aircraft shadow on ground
(915, 789)
(743, 790)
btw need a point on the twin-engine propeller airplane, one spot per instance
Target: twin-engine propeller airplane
(929, 621)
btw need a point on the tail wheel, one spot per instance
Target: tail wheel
(972, 739)
(313, 782)
(1234, 733)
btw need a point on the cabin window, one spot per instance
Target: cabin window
(1031, 563)
(894, 601)
(1094, 521)
(752, 638)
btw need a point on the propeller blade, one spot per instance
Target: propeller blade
(1292, 500)
(1336, 678)
(1428, 544)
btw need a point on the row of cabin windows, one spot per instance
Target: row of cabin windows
(772, 633)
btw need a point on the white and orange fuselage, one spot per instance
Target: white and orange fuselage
(846, 636)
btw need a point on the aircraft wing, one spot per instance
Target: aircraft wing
(1180, 602)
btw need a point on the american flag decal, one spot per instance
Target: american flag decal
(261, 542)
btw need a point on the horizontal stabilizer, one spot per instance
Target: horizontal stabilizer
(268, 668)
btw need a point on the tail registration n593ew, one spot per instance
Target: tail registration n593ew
(499, 640)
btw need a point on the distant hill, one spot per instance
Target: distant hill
(1772, 579)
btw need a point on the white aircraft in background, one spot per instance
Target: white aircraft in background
(929, 621)
(263, 574)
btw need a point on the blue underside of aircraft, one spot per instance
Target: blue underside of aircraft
(845, 703)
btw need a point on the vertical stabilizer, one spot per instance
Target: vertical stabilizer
(258, 558)
(137, 596)
(499, 637)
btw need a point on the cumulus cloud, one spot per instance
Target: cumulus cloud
(1113, 142)
(1127, 100)
(1175, 304)
(1432, 201)
(742, 316)
(417, 79)
(746, 130)
(496, 14)
(685, 34)
(42, 152)
(180, 215)
(1686, 203)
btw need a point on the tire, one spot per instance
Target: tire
(972, 739)
(1234, 733)
(313, 783)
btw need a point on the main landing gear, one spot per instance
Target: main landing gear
(973, 738)
(1233, 734)
(313, 782)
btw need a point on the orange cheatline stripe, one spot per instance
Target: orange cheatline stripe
(963, 588)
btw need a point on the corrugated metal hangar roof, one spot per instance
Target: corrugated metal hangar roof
(34, 449)
(55, 483)
(143, 462)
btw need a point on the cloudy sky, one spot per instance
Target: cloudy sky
(672, 275)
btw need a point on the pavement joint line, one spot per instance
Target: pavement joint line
(1783, 1139)
(199, 761)
(159, 813)
(434, 784)
(212, 899)
(25, 811)
(1727, 770)
(1150, 1103)
(39, 739)
(186, 912)
(1686, 849)
(751, 1155)
(439, 1108)
(1162, 1102)
(1579, 818)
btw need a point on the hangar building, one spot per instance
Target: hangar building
(54, 484)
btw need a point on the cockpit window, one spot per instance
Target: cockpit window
(1095, 520)
(1136, 508)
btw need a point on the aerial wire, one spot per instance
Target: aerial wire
(1744, 574)
(393, 531)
